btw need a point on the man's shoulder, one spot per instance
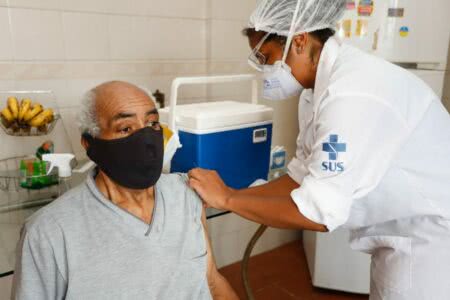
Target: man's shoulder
(175, 187)
(173, 181)
(63, 209)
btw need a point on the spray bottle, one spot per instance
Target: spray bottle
(62, 161)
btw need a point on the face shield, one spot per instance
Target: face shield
(257, 60)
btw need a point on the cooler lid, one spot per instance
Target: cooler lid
(215, 115)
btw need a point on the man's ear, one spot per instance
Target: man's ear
(84, 143)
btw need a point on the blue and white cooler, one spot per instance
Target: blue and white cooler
(233, 138)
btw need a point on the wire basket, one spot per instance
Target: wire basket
(12, 179)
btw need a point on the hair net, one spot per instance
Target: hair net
(278, 16)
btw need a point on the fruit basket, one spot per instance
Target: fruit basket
(25, 113)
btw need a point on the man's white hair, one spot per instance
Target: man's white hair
(87, 119)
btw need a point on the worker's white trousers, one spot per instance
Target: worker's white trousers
(415, 266)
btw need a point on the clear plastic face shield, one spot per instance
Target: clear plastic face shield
(257, 60)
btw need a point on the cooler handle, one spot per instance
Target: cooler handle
(177, 82)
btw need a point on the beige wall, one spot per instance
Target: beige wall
(5, 287)
(69, 46)
(446, 94)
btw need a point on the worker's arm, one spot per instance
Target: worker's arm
(272, 210)
(218, 285)
(282, 186)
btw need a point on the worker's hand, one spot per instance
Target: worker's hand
(210, 187)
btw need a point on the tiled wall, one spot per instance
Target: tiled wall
(5, 286)
(446, 93)
(69, 46)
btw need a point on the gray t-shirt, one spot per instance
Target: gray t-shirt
(82, 246)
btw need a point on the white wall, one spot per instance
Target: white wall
(5, 287)
(69, 46)
(230, 235)
(446, 96)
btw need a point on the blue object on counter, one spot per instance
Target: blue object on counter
(233, 138)
(240, 156)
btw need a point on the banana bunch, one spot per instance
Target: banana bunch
(25, 115)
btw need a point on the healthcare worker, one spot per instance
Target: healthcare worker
(373, 153)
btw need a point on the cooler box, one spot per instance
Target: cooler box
(230, 137)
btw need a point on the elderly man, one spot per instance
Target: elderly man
(128, 232)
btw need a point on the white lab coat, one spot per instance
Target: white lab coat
(373, 155)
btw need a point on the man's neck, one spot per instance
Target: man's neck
(139, 203)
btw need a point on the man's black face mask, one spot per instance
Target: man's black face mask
(133, 162)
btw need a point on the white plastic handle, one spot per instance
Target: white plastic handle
(85, 167)
(206, 80)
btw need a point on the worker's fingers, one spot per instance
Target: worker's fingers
(200, 190)
(191, 173)
(202, 175)
(195, 184)
(196, 173)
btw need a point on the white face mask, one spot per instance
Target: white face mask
(279, 83)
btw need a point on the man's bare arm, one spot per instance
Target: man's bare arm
(218, 285)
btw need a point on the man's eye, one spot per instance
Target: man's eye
(125, 130)
(155, 125)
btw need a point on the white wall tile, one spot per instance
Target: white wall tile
(35, 70)
(231, 228)
(232, 9)
(225, 249)
(123, 41)
(227, 42)
(171, 39)
(172, 8)
(5, 287)
(58, 86)
(6, 85)
(86, 36)
(7, 71)
(46, 4)
(87, 5)
(144, 38)
(231, 90)
(6, 52)
(78, 87)
(163, 83)
(69, 117)
(122, 7)
(228, 223)
(37, 34)
(285, 123)
(3, 2)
